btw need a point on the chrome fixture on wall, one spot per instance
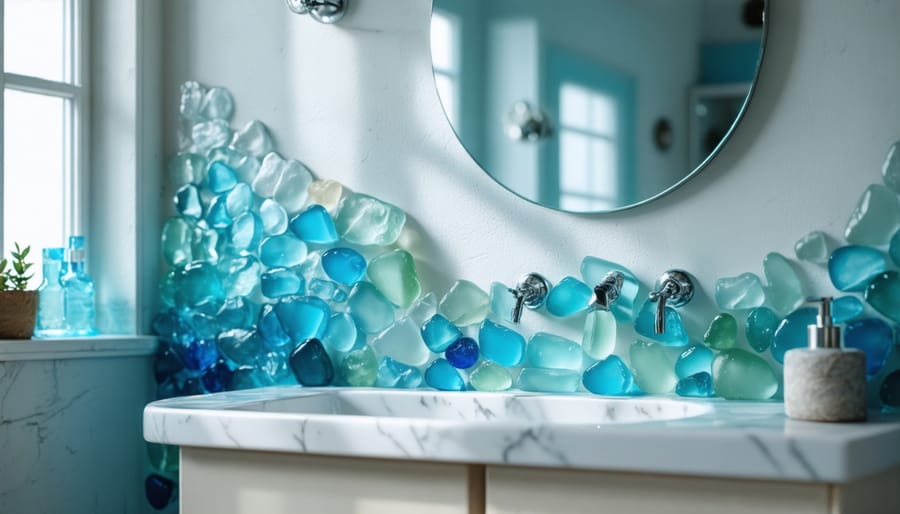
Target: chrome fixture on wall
(606, 292)
(674, 288)
(530, 291)
(324, 11)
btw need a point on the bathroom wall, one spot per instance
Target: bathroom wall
(356, 102)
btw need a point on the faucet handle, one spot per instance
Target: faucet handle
(607, 291)
(673, 288)
(531, 291)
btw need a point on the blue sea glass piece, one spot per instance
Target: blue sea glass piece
(502, 302)
(204, 326)
(270, 329)
(548, 380)
(220, 177)
(245, 166)
(280, 282)
(462, 354)
(171, 327)
(166, 389)
(696, 359)
(883, 293)
(443, 376)
(245, 232)
(198, 354)
(160, 491)
(247, 377)
(439, 333)
(163, 458)
(197, 284)
(217, 215)
(553, 352)
(594, 270)
(327, 290)
(569, 297)
(344, 265)
(218, 104)
(364, 220)
(187, 201)
(204, 245)
(237, 313)
(176, 241)
(791, 333)
(240, 275)
(341, 333)
(276, 366)
(761, 325)
(191, 386)
(674, 334)
(873, 336)
(402, 341)
(744, 291)
(217, 377)
(501, 344)
(239, 200)
(369, 308)
(875, 219)
(186, 168)
(282, 251)
(240, 346)
(311, 364)
(314, 225)
(889, 392)
(852, 267)
(846, 308)
(303, 317)
(166, 364)
(273, 216)
(812, 247)
(610, 377)
(398, 375)
(699, 385)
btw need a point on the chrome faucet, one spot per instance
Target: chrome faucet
(607, 291)
(530, 291)
(674, 288)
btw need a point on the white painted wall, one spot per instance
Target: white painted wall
(356, 102)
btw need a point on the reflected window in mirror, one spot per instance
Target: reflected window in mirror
(445, 30)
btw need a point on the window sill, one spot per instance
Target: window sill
(105, 346)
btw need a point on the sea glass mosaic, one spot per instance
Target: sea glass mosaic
(277, 276)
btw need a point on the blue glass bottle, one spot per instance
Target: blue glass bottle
(78, 292)
(51, 317)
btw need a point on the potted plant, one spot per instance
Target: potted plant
(18, 306)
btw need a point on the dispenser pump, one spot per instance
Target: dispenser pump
(824, 334)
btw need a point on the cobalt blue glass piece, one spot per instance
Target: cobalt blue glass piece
(609, 376)
(791, 333)
(220, 177)
(341, 333)
(501, 344)
(699, 385)
(160, 491)
(279, 282)
(270, 329)
(191, 387)
(187, 202)
(166, 364)
(761, 325)
(369, 308)
(875, 338)
(570, 296)
(462, 354)
(217, 215)
(344, 265)
(554, 352)
(890, 389)
(314, 225)
(237, 313)
(398, 375)
(443, 376)
(696, 359)
(846, 308)
(852, 267)
(282, 251)
(248, 377)
(198, 354)
(311, 364)
(240, 346)
(439, 333)
(674, 335)
(217, 377)
(303, 317)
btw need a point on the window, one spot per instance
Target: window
(42, 134)
(445, 56)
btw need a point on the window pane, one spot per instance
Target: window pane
(34, 38)
(442, 42)
(33, 171)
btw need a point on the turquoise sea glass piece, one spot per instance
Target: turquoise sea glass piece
(253, 139)
(364, 220)
(186, 168)
(369, 308)
(274, 218)
(462, 354)
(490, 376)
(791, 332)
(443, 376)
(240, 275)
(722, 332)
(599, 338)
(699, 385)
(276, 365)
(548, 380)
(464, 304)
(220, 177)
(889, 392)
(344, 265)
(784, 290)
(846, 308)
(341, 333)
(394, 274)
(553, 352)
(402, 342)
(245, 166)
(438, 333)
(176, 242)
(674, 334)
(741, 375)
(204, 244)
(280, 282)
(883, 293)
(197, 284)
(327, 290)
(359, 368)
(270, 329)
(163, 457)
(894, 248)
(217, 215)
(652, 368)
(245, 232)
(502, 302)
(744, 291)
(569, 297)
(282, 251)
(303, 317)
(237, 313)
(187, 201)
(696, 359)
(610, 377)
(594, 270)
(314, 225)
(248, 377)
(239, 346)
(239, 200)
(875, 219)
(398, 375)
(761, 326)
(501, 344)
(890, 170)
(423, 309)
(852, 267)
(875, 338)
(812, 247)
(311, 364)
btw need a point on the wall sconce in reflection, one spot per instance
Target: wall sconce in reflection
(525, 122)
(323, 11)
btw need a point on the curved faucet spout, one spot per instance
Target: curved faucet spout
(673, 288)
(607, 291)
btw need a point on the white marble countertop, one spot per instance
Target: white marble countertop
(77, 347)
(721, 438)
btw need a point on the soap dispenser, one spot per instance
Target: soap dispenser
(825, 382)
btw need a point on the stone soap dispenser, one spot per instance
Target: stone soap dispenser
(825, 382)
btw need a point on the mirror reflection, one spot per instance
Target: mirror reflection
(594, 105)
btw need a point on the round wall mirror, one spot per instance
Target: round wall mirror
(595, 105)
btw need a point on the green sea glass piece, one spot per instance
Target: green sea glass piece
(784, 291)
(599, 339)
(364, 220)
(402, 342)
(890, 170)
(744, 291)
(652, 367)
(883, 294)
(394, 274)
(369, 308)
(490, 376)
(761, 326)
(553, 352)
(875, 218)
(548, 380)
(812, 247)
(464, 304)
(359, 368)
(423, 309)
(722, 332)
(741, 375)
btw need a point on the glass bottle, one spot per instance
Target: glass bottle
(78, 289)
(51, 318)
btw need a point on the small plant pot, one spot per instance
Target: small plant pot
(18, 311)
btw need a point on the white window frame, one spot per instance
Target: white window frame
(453, 72)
